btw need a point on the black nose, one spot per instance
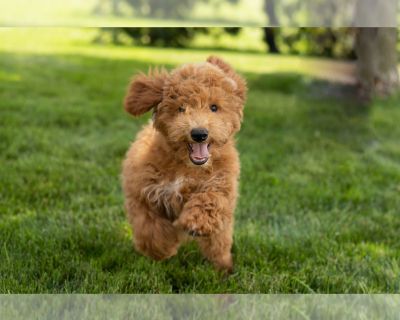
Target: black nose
(199, 134)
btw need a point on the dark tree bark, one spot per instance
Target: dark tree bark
(270, 33)
(269, 38)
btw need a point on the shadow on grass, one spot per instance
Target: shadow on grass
(207, 49)
(320, 107)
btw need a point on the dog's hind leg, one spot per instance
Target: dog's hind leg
(217, 249)
(155, 237)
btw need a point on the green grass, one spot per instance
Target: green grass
(320, 182)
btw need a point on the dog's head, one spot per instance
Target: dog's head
(197, 107)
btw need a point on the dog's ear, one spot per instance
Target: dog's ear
(240, 83)
(145, 92)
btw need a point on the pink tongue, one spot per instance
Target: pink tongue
(200, 150)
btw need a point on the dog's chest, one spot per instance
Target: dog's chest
(168, 196)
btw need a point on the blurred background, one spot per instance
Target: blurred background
(330, 28)
(189, 13)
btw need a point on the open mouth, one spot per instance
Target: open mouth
(199, 152)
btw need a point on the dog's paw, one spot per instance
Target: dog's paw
(192, 229)
(194, 225)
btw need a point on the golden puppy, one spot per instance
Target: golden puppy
(180, 176)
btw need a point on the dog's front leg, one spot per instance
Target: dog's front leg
(205, 214)
(209, 217)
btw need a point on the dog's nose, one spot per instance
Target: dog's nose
(199, 134)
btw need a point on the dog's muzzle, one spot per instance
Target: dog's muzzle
(199, 149)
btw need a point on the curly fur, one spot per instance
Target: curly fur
(168, 198)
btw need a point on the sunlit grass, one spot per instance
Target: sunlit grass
(74, 41)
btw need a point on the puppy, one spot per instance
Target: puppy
(180, 176)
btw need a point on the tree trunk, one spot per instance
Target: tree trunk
(270, 33)
(270, 10)
(375, 47)
(377, 61)
(115, 8)
(269, 38)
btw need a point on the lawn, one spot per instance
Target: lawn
(320, 181)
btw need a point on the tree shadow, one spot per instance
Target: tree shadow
(321, 107)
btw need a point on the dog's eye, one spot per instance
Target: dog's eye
(214, 108)
(181, 109)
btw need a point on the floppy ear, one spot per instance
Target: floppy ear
(145, 92)
(241, 87)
